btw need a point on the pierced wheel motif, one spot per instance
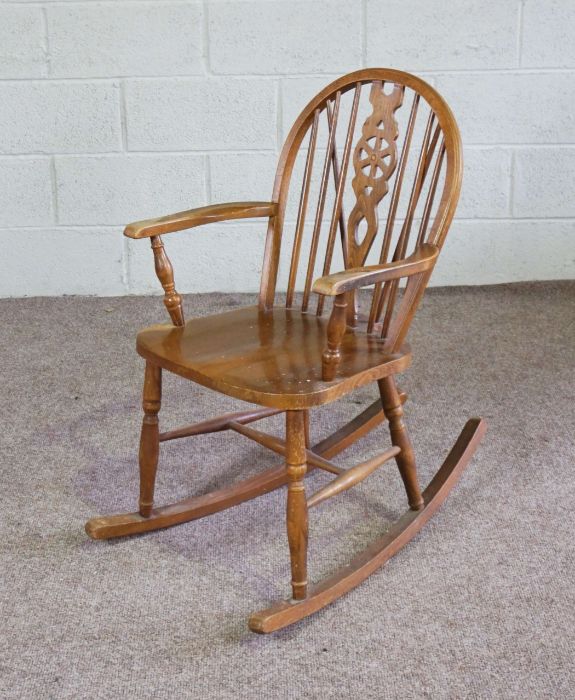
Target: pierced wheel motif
(375, 160)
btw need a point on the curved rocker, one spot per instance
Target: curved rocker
(379, 552)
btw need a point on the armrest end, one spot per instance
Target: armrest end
(197, 217)
(356, 277)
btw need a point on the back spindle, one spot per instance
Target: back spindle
(321, 202)
(336, 172)
(340, 185)
(401, 132)
(425, 158)
(378, 298)
(431, 195)
(302, 209)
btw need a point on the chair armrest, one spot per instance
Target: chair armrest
(197, 217)
(153, 228)
(339, 282)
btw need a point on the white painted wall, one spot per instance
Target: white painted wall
(115, 111)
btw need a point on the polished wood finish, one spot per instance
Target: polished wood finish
(296, 511)
(306, 428)
(399, 437)
(165, 273)
(279, 446)
(430, 196)
(379, 552)
(270, 358)
(374, 160)
(291, 358)
(332, 120)
(335, 331)
(215, 425)
(149, 438)
(354, 278)
(378, 298)
(340, 177)
(110, 526)
(351, 477)
(302, 210)
(198, 217)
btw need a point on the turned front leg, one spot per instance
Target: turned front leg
(399, 437)
(306, 429)
(335, 331)
(297, 521)
(149, 439)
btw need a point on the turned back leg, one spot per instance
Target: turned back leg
(149, 439)
(297, 520)
(399, 437)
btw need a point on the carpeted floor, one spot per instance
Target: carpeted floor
(480, 605)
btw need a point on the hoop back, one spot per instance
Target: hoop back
(405, 175)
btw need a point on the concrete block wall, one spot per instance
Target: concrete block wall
(120, 110)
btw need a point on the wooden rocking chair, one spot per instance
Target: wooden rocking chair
(286, 357)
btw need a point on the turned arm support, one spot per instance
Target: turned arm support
(165, 273)
(152, 228)
(339, 283)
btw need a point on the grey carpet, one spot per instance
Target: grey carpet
(480, 605)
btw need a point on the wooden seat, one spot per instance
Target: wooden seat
(290, 355)
(272, 359)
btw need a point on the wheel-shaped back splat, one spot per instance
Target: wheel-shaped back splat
(375, 161)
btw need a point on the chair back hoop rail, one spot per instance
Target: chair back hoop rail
(438, 155)
(288, 358)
